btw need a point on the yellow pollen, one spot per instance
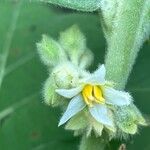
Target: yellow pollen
(92, 93)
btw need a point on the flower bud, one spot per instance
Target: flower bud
(50, 96)
(65, 75)
(128, 118)
(50, 51)
(74, 43)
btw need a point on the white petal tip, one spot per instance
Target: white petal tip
(74, 106)
(60, 124)
(102, 68)
(103, 65)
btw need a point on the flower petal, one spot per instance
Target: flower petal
(98, 77)
(69, 93)
(101, 72)
(75, 105)
(116, 97)
(100, 113)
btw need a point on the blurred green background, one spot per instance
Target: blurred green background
(26, 123)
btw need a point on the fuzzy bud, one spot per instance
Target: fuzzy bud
(65, 75)
(50, 51)
(73, 42)
(128, 118)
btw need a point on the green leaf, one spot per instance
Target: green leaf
(7, 43)
(81, 5)
(26, 122)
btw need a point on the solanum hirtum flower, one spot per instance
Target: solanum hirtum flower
(95, 94)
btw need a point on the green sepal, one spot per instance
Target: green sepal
(78, 122)
(84, 123)
(97, 128)
(139, 117)
(50, 51)
(50, 96)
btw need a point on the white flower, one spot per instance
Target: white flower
(97, 95)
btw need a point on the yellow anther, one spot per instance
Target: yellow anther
(92, 93)
(87, 94)
(85, 98)
(98, 94)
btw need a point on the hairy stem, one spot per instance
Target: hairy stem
(128, 34)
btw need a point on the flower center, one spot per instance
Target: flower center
(92, 93)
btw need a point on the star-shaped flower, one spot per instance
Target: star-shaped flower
(97, 95)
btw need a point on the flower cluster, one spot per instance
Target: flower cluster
(90, 102)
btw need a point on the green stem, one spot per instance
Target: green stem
(92, 143)
(125, 40)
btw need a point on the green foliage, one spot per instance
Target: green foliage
(26, 123)
(7, 43)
